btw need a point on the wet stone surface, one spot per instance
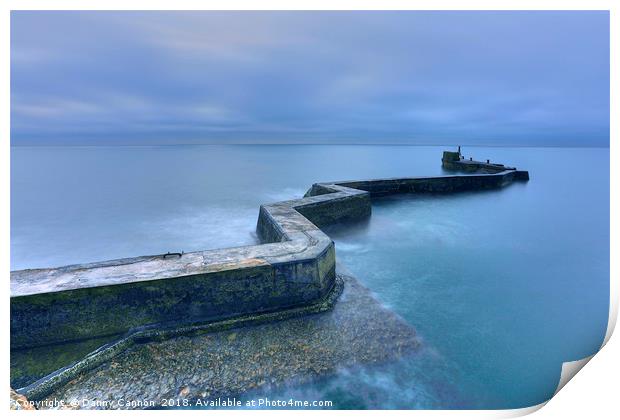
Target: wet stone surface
(359, 330)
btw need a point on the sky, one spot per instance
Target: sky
(489, 78)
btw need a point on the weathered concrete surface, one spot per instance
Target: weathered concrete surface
(282, 221)
(203, 286)
(84, 301)
(359, 330)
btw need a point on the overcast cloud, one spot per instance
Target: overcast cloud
(512, 78)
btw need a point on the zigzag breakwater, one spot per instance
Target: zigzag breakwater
(290, 274)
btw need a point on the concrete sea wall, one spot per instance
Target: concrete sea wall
(294, 267)
(83, 301)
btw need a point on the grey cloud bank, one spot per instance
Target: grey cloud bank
(496, 78)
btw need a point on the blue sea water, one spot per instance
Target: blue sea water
(502, 286)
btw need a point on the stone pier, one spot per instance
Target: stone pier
(290, 274)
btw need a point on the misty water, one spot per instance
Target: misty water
(502, 286)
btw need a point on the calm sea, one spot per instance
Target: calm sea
(502, 286)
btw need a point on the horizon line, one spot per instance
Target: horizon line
(552, 146)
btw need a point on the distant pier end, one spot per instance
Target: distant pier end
(455, 161)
